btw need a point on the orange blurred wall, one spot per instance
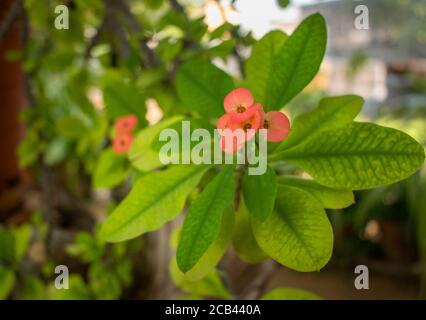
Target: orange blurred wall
(12, 99)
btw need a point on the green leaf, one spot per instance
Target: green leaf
(56, 151)
(168, 50)
(142, 155)
(154, 4)
(22, 240)
(297, 234)
(260, 66)
(111, 169)
(104, 282)
(209, 286)
(297, 62)
(71, 127)
(30, 149)
(202, 87)
(243, 240)
(358, 156)
(283, 3)
(7, 281)
(7, 246)
(290, 294)
(85, 247)
(219, 31)
(330, 198)
(123, 269)
(223, 49)
(122, 99)
(215, 252)
(202, 223)
(332, 112)
(194, 124)
(155, 199)
(78, 290)
(259, 193)
(33, 289)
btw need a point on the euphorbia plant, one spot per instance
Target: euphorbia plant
(244, 117)
(275, 214)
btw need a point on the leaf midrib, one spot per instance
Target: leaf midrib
(316, 128)
(203, 222)
(349, 154)
(315, 260)
(298, 60)
(156, 200)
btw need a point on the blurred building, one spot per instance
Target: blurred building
(377, 63)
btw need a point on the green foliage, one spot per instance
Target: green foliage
(260, 66)
(78, 290)
(208, 284)
(298, 233)
(329, 198)
(86, 247)
(7, 280)
(13, 244)
(122, 98)
(202, 87)
(265, 188)
(283, 3)
(290, 294)
(70, 127)
(104, 282)
(154, 200)
(33, 289)
(332, 112)
(279, 216)
(243, 239)
(282, 217)
(294, 65)
(110, 269)
(215, 252)
(358, 156)
(211, 286)
(221, 30)
(111, 169)
(13, 247)
(202, 223)
(142, 155)
(7, 246)
(56, 151)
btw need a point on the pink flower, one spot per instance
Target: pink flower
(235, 133)
(122, 143)
(238, 104)
(125, 124)
(277, 125)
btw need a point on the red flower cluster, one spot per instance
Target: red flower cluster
(123, 138)
(244, 117)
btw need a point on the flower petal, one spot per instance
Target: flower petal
(223, 121)
(122, 143)
(125, 124)
(258, 116)
(238, 97)
(279, 126)
(230, 146)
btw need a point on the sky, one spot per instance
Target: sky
(262, 16)
(258, 16)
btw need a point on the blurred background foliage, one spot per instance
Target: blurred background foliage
(121, 57)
